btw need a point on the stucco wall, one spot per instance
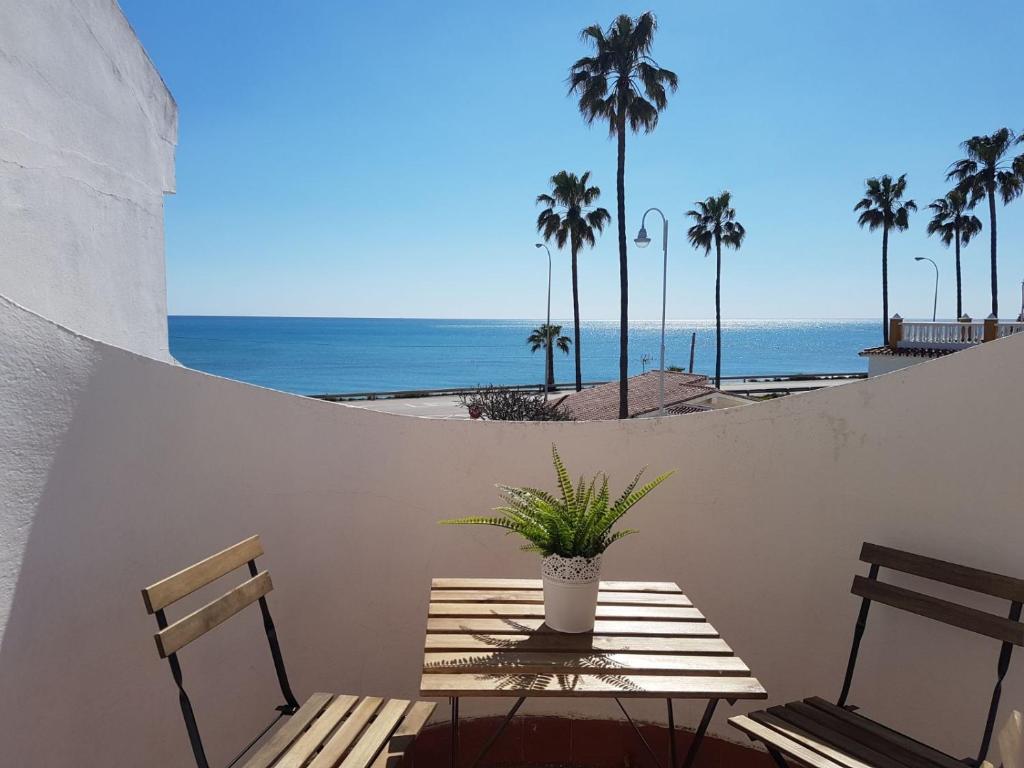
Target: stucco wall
(87, 135)
(118, 469)
(879, 364)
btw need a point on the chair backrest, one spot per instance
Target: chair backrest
(174, 636)
(1008, 629)
(1005, 628)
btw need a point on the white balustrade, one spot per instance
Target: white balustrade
(952, 334)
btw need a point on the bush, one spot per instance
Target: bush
(499, 404)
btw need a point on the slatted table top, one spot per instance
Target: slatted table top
(487, 637)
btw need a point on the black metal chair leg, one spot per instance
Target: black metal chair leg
(778, 758)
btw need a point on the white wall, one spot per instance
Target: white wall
(118, 469)
(879, 364)
(87, 135)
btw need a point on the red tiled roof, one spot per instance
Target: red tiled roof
(906, 352)
(602, 401)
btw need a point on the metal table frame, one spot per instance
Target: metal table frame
(691, 753)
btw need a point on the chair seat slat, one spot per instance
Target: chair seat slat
(346, 735)
(833, 746)
(872, 733)
(403, 736)
(290, 730)
(790, 747)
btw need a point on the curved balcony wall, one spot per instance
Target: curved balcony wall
(118, 469)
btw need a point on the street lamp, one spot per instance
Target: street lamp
(935, 300)
(642, 241)
(548, 353)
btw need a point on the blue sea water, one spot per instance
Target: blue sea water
(321, 355)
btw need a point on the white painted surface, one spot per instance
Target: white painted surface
(87, 135)
(118, 469)
(880, 364)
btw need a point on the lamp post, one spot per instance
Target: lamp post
(642, 241)
(548, 353)
(935, 300)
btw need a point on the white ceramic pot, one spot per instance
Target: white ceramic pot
(570, 592)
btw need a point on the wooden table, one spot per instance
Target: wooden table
(487, 637)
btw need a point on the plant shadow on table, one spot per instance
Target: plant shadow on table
(528, 660)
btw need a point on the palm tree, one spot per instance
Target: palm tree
(569, 218)
(548, 337)
(624, 86)
(986, 170)
(716, 225)
(951, 222)
(883, 206)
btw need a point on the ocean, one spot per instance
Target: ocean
(305, 355)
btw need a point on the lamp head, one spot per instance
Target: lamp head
(538, 245)
(642, 240)
(919, 258)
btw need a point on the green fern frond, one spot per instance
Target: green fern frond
(564, 483)
(577, 521)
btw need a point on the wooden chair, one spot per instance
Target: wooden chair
(327, 730)
(816, 733)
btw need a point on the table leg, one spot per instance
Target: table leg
(454, 701)
(497, 733)
(698, 735)
(654, 757)
(671, 735)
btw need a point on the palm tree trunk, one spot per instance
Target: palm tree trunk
(992, 239)
(959, 303)
(885, 284)
(718, 313)
(620, 193)
(550, 351)
(576, 318)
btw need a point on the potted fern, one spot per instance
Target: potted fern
(570, 529)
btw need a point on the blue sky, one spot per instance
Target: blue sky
(381, 159)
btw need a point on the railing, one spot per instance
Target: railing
(1008, 329)
(954, 334)
(949, 334)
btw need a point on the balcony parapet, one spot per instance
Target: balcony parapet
(949, 334)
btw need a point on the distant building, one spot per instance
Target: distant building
(684, 393)
(912, 342)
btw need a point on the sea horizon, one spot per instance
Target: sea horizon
(313, 355)
(532, 319)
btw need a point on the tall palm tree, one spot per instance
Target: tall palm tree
(951, 222)
(623, 85)
(569, 218)
(986, 170)
(547, 337)
(883, 206)
(715, 224)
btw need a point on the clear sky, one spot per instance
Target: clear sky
(382, 159)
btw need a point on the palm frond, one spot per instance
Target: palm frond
(620, 81)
